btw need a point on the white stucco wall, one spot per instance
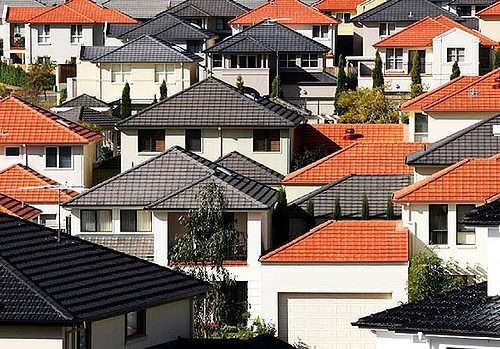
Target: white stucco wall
(370, 34)
(31, 337)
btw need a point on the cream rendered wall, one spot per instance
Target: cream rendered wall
(294, 192)
(31, 337)
(423, 172)
(164, 323)
(257, 78)
(370, 34)
(489, 26)
(307, 31)
(368, 5)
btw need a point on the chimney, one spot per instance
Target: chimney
(350, 133)
(493, 261)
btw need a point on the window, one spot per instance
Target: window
(217, 60)
(421, 127)
(151, 140)
(193, 140)
(221, 24)
(135, 324)
(194, 46)
(309, 60)
(455, 54)
(412, 54)
(164, 72)
(343, 16)
(76, 33)
(121, 72)
(386, 29)
(438, 224)
(464, 11)
(266, 140)
(132, 221)
(250, 61)
(12, 151)
(19, 37)
(287, 60)
(44, 34)
(320, 31)
(466, 235)
(58, 157)
(394, 59)
(96, 221)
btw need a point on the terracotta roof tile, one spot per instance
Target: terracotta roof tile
(492, 10)
(358, 158)
(337, 5)
(285, 12)
(373, 241)
(24, 123)
(17, 208)
(21, 14)
(22, 183)
(72, 11)
(421, 33)
(470, 180)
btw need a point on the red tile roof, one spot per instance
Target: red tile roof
(421, 33)
(374, 241)
(421, 102)
(492, 10)
(284, 12)
(25, 123)
(335, 136)
(72, 11)
(24, 184)
(17, 208)
(338, 5)
(470, 180)
(358, 158)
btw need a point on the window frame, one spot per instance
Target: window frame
(388, 27)
(216, 58)
(154, 146)
(76, 35)
(309, 60)
(123, 74)
(136, 220)
(394, 62)
(141, 324)
(458, 224)
(421, 136)
(342, 16)
(265, 136)
(320, 31)
(164, 71)
(12, 147)
(433, 240)
(455, 54)
(58, 157)
(188, 133)
(43, 34)
(97, 220)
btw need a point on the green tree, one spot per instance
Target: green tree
(416, 87)
(163, 91)
(337, 209)
(281, 218)
(240, 83)
(455, 71)
(428, 277)
(307, 156)
(377, 72)
(496, 61)
(276, 90)
(126, 103)
(63, 95)
(369, 106)
(341, 84)
(310, 213)
(389, 211)
(365, 208)
(244, 332)
(39, 79)
(201, 251)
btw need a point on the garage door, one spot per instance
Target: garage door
(323, 321)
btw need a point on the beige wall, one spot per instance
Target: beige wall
(31, 337)
(489, 26)
(256, 78)
(294, 192)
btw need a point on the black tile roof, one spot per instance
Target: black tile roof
(91, 52)
(403, 11)
(99, 118)
(469, 312)
(350, 191)
(265, 37)
(208, 8)
(488, 214)
(140, 187)
(241, 164)
(255, 3)
(141, 9)
(214, 103)
(84, 100)
(471, 2)
(49, 281)
(475, 141)
(137, 245)
(147, 49)
(308, 78)
(116, 30)
(167, 27)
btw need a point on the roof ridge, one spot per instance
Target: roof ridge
(410, 27)
(377, 9)
(456, 25)
(61, 5)
(261, 165)
(488, 8)
(116, 48)
(79, 96)
(321, 189)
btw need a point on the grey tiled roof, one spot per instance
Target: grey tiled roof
(213, 103)
(350, 191)
(173, 174)
(137, 245)
(84, 100)
(471, 2)
(115, 30)
(141, 9)
(47, 281)
(308, 78)
(488, 214)
(20, 3)
(403, 11)
(147, 49)
(93, 116)
(476, 141)
(208, 8)
(241, 164)
(91, 52)
(166, 26)
(255, 3)
(268, 37)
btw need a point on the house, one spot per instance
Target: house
(488, 20)
(58, 32)
(144, 63)
(384, 158)
(59, 291)
(138, 212)
(267, 49)
(433, 211)
(46, 142)
(468, 10)
(297, 16)
(317, 284)
(435, 41)
(212, 119)
(460, 319)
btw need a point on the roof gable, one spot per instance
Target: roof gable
(90, 115)
(84, 100)
(222, 106)
(213, 8)
(346, 242)
(491, 11)
(285, 12)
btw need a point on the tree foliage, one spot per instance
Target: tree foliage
(310, 213)
(240, 83)
(281, 219)
(416, 87)
(276, 90)
(365, 208)
(307, 156)
(341, 84)
(377, 72)
(126, 103)
(389, 211)
(428, 278)
(12, 75)
(244, 332)
(455, 71)
(337, 209)
(39, 79)
(496, 61)
(163, 91)
(63, 95)
(201, 252)
(368, 106)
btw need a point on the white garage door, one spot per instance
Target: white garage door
(323, 321)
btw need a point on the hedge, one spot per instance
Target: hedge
(12, 75)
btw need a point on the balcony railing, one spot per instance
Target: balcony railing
(238, 252)
(402, 69)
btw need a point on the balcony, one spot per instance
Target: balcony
(18, 42)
